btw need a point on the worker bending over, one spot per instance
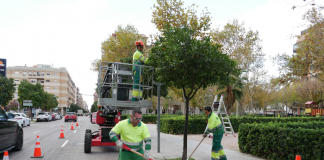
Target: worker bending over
(215, 126)
(132, 133)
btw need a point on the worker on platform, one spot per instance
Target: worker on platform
(138, 59)
(132, 133)
(215, 126)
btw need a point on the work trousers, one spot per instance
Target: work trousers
(128, 155)
(217, 149)
(137, 91)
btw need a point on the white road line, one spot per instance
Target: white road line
(36, 132)
(79, 126)
(75, 131)
(65, 143)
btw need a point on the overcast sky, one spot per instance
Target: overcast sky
(69, 33)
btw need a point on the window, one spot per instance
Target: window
(33, 81)
(42, 73)
(30, 73)
(16, 72)
(55, 88)
(47, 87)
(34, 73)
(55, 81)
(16, 80)
(48, 74)
(38, 74)
(55, 74)
(48, 81)
(24, 80)
(24, 73)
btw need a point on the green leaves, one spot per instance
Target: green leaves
(44, 100)
(283, 140)
(7, 88)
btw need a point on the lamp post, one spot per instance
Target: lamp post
(321, 102)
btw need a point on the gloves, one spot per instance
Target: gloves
(204, 135)
(119, 144)
(146, 155)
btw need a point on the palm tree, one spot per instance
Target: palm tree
(232, 92)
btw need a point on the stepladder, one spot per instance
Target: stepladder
(220, 109)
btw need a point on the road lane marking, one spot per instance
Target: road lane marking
(79, 126)
(65, 143)
(75, 131)
(36, 132)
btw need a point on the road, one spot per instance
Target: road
(61, 149)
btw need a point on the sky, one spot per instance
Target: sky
(69, 33)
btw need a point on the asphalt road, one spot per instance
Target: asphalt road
(70, 148)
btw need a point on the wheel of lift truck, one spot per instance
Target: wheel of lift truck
(87, 143)
(88, 130)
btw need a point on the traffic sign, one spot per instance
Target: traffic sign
(27, 101)
(27, 104)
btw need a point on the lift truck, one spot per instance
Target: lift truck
(115, 84)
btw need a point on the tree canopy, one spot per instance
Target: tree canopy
(183, 61)
(7, 88)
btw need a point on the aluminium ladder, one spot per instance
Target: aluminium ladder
(220, 109)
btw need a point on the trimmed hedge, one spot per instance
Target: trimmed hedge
(176, 125)
(237, 121)
(283, 140)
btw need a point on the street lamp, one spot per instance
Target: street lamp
(321, 102)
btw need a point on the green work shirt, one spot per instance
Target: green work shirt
(132, 136)
(214, 124)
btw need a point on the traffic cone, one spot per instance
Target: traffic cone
(298, 157)
(5, 155)
(61, 134)
(37, 152)
(72, 128)
(76, 123)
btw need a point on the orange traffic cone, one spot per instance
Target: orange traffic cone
(72, 128)
(37, 152)
(62, 133)
(76, 123)
(5, 155)
(298, 157)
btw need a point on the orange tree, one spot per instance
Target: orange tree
(183, 61)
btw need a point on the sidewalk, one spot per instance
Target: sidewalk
(171, 146)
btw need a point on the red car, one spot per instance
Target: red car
(70, 116)
(53, 116)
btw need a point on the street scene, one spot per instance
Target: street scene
(161, 79)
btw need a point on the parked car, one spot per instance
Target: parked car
(24, 118)
(60, 115)
(11, 116)
(57, 116)
(11, 133)
(43, 116)
(70, 116)
(53, 116)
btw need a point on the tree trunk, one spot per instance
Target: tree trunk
(237, 108)
(252, 104)
(184, 155)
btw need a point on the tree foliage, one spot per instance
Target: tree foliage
(183, 61)
(173, 13)
(94, 107)
(40, 98)
(7, 88)
(120, 47)
(309, 56)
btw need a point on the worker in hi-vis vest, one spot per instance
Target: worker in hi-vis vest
(215, 126)
(132, 133)
(138, 59)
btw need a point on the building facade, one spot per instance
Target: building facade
(54, 80)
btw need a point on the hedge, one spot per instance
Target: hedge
(283, 140)
(176, 125)
(236, 121)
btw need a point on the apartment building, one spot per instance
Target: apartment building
(54, 80)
